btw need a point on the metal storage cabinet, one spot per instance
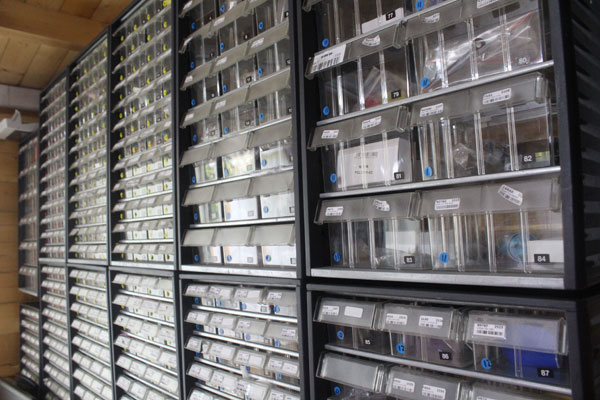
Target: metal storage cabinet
(143, 136)
(145, 324)
(29, 316)
(243, 338)
(239, 175)
(52, 170)
(345, 47)
(88, 156)
(416, 336)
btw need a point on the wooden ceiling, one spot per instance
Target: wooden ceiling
(39, 38)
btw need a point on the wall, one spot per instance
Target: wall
(10, 296)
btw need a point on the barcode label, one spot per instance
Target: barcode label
(329, 58)
(331, 310)
(431, 110)
(330, 134)
(288, 332)
(274, 296)
(510, 194)
(432, 19)
(427, 321)
(403, 385)
(396, 319)
(257, 43)
(220, 104)
(433, 392)
(497, 96)
(481, 4)
(489, 330)
(371, 123)
(354, 312)
(447, 204)
(221, 61)
(219, 21)
(334, 211)
(372, 41)
(381, 205)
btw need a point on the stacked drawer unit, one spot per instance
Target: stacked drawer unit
(88, 156)
(401, 344)
(56, 374)
(28, 215)
(52, 170)
(90, 333)
(29, 315)
(475, 114)
(236, 139)
(142, 173)
(242, 339)
(145, 339)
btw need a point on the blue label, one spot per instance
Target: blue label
(197, 327)
(336, 257)
(218, 303)
(193, 26)
(195, 216)
(228, 258)
(193, 102)
(333, 178)
(400, 348)
(192, 65)
(337, 390)
(196, 300)
(248, 369)
(195, 138)
(263, 163)
(226, 172)
(276, 309)
(428, 172)
(444, 257)
(425, 82)
(260, 72)
(420, 4)
(278, 376)
(226, 130)
(265, 210)
(261, 116)
(220, 332)
(223, 8)
(277, 343)
(222, 46)
(193, 179)
(227, 215)
(486, 363)
(261, 25)
(325, 42)
(340, 335)
(326, 110)
(224, 88)
(268, 258)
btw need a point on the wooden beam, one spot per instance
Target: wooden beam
(44, 23)
(109, 9)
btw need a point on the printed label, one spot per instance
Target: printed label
(481, 4)
(331, 310)
(431, 110)
(432, 19)
(371, 123)
(388, 18)
(288, 332)
(433, 392)
(427, 321)
(483, 398)
(290, 368)
(221, 61)
(334, 211)
(497, 96)
(372, 41)
(447, 204)
(257, 43)
(330, 134)
(188, 5)
(219, 21)
(274, 296)
(381, 205)
(510, 194)
(220, 104)
(328, 58)
(354, 312)
(188, 79)
(489, 330)
(403, 385)
(396, 319)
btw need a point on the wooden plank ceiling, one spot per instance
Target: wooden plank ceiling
(39, 38)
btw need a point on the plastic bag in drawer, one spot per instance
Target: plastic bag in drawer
(353, 372)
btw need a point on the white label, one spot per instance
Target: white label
(447, 204)
(432, 19)
(497, 96)
(403, 385)
(334, 211)
(219, 21)
(290, 368)
(489, 330)
(329, 58)
(288, 332)
(221, 61)
(388, 18)
(330, 134)
(426, 321)
(381, 205)
(220, 104)
(274, 296)
(371, 123)
(481, 4)
(396, 319)
(188, 79)
(372, 42)
(510, 194)
(354, 312)
(188, 117)
(483, 398)
(331, 310)
(188, 4)
(431, 110)
(257, 43)
(433, 392)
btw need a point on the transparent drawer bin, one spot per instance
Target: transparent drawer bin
(367, 151)
(463, 41)
(515, 227)
(506, 126)
(411, 384)
(483, 391)
(263, 197)
(260, 246)
(351, 372)
(362, 74)
(430, 334)
(350, 324)
(527, 346)
(370, 232)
